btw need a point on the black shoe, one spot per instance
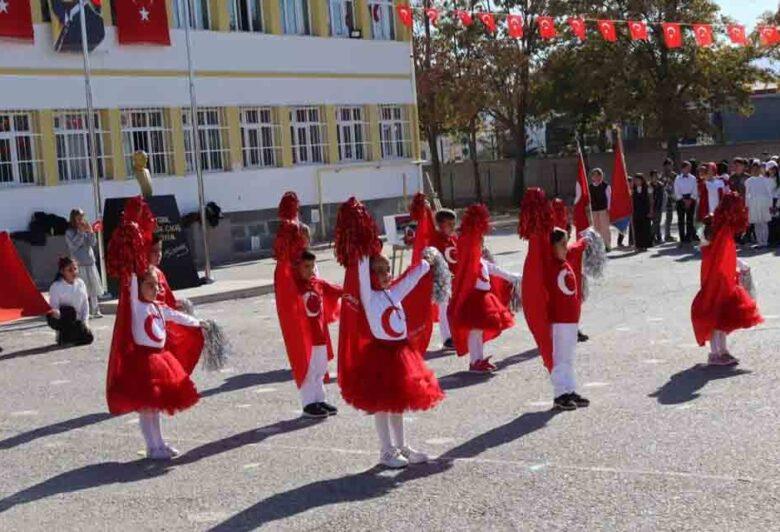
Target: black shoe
(448, 344)
(564, 402)
(582, 337)
(579, 400)
(330, 409)
(314, 410)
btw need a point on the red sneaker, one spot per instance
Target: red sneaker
(482, 366)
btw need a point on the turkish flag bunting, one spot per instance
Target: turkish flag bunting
(672, 34)
(546, 27)
(769, 35)
(433, 15)
(577, 26)
(737, 34)
(488, 21)
(638, 30)
(514, 24)
(607, 29)
(703, 34)
(142, 22)
(16, 19)
(405, 14)
(465, 17)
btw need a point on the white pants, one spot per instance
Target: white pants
(390, 429)
(313, 386)
(444, 322)
(564, 344)
(476, 346)
(718, 343)
(762, 233)
(149, 421)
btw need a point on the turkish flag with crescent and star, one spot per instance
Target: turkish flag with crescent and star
(638, 30)
(672, 34)
(546, 27)
(433, 15)
(142, 22)
(465, 17)
(769, 35)
(703, 34)
(514, 25)
(607, 29)
(737, 34)
(405, 14)
(577, 26)
(16, 19)
(488, 21)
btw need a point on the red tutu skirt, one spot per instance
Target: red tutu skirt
(738, 312)
(391, 377)
(484, 311)
(151, 379)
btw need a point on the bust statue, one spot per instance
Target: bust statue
(141, 173)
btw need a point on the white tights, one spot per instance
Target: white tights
(149, 420)
(476, 346)
(762, 233)
(718, 343)
(390, 429)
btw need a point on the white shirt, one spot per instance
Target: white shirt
(714, 189)
(488, 269)
(383, 308)
(685, 185)
(148, 319)
(64, 294)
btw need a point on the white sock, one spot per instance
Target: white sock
(383, 430)
(158, 429)
(475, 346)
(146, 423)
(397, 430)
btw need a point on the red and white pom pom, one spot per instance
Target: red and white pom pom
(289, 242)
(731, 214)
(356, 233)
(560, 214)
(419, 206)
(536, 215)
(288, 206)
(128, 249)
(476, 221)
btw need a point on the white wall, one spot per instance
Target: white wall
(244, 190)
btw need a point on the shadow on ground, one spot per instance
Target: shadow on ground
(685, 385)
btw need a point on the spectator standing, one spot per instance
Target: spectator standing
(686, 192)
(660, 201)
(668, 176)
(642, 197)
(81, 239)
(759, 192)
(738, 178)
(600, 201)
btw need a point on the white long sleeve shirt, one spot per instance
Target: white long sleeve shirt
(383, 308)
(149, 319)
(64, 294)
(488, 269)
(686, 185)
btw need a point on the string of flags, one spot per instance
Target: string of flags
(769, 35)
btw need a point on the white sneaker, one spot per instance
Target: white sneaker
(414, 457)
(96, 315)
(160, 453)
(393, 459)
(174, 452)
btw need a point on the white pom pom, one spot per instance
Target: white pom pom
(216, 347)
(442, 277)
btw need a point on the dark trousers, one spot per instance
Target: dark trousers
(69, 329)
(685, 220)
(657, 215)
(668, 222)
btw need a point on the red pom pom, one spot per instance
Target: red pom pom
(356, 233)
(560, 214)
(418, 207)
(476, 221)
(290, 241)
(288, 206)
(731, 214)
(138, 211)
(128, 250)
(536, 215)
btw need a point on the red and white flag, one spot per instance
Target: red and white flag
(703, 34)
(465, 17)
(514, 25)
(546, 27)
(607, 29)
(433, 15)
(638, 30)
(580, 214)
(405, 14)
(488, 21)
(16, 19)
(672, 34)
(577, 26)
(142, 22)
(621, 207)
(737, 34)
(769, 35)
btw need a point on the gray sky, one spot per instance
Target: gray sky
(747, 11)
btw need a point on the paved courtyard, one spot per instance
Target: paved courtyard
(667, 443)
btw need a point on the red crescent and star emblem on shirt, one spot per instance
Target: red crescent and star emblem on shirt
(149, 326)
(389, 331)
(312, 303)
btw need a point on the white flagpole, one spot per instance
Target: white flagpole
(92, 141)
(196, 144)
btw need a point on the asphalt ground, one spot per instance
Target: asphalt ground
(667, 444)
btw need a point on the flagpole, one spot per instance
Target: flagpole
(207, 279)
(93, 167)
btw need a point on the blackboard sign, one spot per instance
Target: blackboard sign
(177, 262)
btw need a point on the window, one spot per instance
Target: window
(246, 15)
(394, 132)
(295, 17)
(382, 19)
(19, 162)
(308, 135)
(259, 137)
(211, 132)
(71, 132)
(199, 14)
(342, 17)
(147, 130)
(352, 134)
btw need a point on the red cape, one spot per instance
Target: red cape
(18, 296)
(580, 215)
(185, 343)
(536, 295)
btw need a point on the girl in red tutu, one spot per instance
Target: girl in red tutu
(481, 291)
(384, 330)
(144, 375)
(723, 304)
